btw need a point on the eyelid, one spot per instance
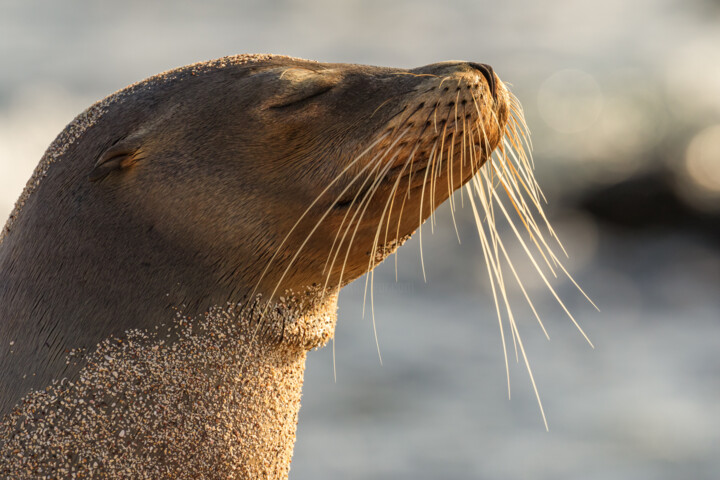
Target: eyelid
(307, 95)
(298, 85)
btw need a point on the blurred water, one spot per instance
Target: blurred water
(641, 78)
(655, 63)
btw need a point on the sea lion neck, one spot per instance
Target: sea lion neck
(220, 402)
(141, 254)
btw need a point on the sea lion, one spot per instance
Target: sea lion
(242, 193)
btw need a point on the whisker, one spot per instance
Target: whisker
(364, 204)
(520, 207)
(517, 277)
(307, 210)
(375, 166)
(384, 170)
(397, 234)
(422, 196)
(373, 254)
(337, 246)
(490, 268)
(451, 183)
(499, 202)
(333, 360)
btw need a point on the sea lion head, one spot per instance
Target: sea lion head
(234, 182)
(229, 180)
(286, 174)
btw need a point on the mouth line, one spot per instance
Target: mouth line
(388, 180)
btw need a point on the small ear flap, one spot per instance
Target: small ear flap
(120, 156)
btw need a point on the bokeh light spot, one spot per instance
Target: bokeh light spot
(702, 159)
(570, 101)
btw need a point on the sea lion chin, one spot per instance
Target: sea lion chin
(234, 182)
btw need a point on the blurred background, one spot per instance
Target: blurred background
(623, 99)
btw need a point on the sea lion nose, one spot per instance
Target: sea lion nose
(489, 75)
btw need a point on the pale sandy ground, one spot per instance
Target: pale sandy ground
(608, 87)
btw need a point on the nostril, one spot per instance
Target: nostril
(489, 74)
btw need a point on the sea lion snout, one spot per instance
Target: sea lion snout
(456, 67)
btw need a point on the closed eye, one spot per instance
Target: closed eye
(302, 97)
